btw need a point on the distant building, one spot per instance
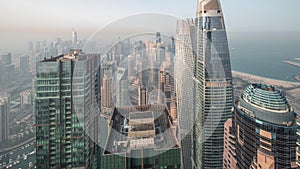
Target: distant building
(165, 83)
(7, 69)
(106, 91)
(141, 137)
(26, 100)
(143, 96)
(75, 39)
(25, 67)
(122, 85)
(4, 117)
(66, 111)
(131, 67)
(265, 130)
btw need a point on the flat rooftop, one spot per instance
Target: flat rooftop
(125, 136)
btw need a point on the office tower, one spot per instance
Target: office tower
(25, 67)
(214, 96)
(122, 85)
(184, 62)
(26, 100)
(107, 91)
(4, 116)
(143, 96)
(141, 137)
(7, 69)
(265, 129)
(66, 111)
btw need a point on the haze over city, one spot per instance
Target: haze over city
(45, 20)
(161, 84)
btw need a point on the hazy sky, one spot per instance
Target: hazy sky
(90, 15)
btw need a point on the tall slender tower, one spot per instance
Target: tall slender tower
(107, 91)
(214, 99)
(185, 85)
(66, 114)
(4, 112)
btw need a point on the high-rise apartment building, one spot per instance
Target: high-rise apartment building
(4, 115)
(66, 111)
(264, 129)
(214, 96)
(229, 154)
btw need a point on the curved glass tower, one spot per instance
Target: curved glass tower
(214, 99)
(265, 129)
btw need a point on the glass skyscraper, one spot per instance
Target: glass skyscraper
(265, 130)
(214, 98)
(65, 107)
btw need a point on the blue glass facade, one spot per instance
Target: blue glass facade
(214, 99)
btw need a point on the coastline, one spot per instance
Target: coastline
(258, 79)
(292, 63)
(297, 77)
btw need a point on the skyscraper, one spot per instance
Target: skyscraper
(214, 100)
(66, 111)
(106, 91)
(143, 97)
(265, 130)
(25, 67)
(7, 69)
(165, 83)
(4, 115)
(75, 38)
(185, 86)
(122, 85)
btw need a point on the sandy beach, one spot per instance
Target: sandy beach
(292, 63)
(258, 79)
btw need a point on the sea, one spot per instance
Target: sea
(263, 53)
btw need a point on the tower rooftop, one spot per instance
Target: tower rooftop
(207, 5)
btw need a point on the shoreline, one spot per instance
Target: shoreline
(292, 63)
(297, 77)
(258, 79)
